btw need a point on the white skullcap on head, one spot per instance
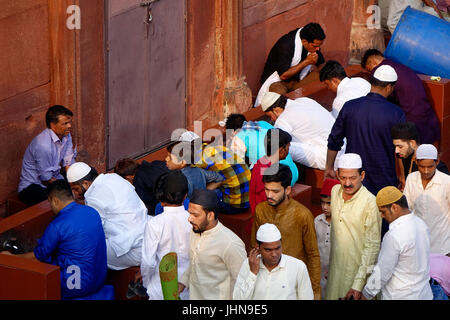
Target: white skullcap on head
(385, 73)
(268, 233)
(426, 151)
(269, 99)
(350, 161)
(77, 171)
(188, 136)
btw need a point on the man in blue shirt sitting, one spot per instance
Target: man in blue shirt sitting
(74, 241)
(50, 152)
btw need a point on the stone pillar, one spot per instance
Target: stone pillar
(231, 93)
(366, 31)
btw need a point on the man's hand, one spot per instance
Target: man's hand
(363, 297)
(6, 252)
(353, 293)
(180, 287)
(312, 58)
(253, 260)
(330, 174)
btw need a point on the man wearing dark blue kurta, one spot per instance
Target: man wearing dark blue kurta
(366, 123)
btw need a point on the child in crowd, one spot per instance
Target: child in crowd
(323, 223)
(180, 156)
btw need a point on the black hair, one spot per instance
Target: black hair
(369, 53)
(312, 31)
(280, 103)
(215, 210)
(184, 150)
(165, 191)
(89, 177)
(60, 189)
(283, 137)
(378, 83)
(235, 121)
(283, 175)
(405, 131)
(332, 69)
(53, 113)
(126, 167)
(260, 242)
(402, 202)
(360, 170)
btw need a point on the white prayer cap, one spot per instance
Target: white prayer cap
(77, 171)
(426, 151)
(269, 99)
(385, 73)
(268, 233)
(188, 136)
(350, 161)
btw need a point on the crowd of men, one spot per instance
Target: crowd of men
(385, 227)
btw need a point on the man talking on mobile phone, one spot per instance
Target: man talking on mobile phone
(267, 274)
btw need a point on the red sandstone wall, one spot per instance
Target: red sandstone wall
(265, 21)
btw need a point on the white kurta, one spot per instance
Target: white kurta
(167, 232)
(349, 89)
(309, 124)
(397, 7)
(287, 281)
(403, 268)
(355, 241)
(432, 205)
(323, 233)
(123, 217)
(216, 256)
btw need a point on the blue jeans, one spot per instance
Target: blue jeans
(438, 292)
(225, 207)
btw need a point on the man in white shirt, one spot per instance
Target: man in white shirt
(428, 194)
(307, 122)
(397, 7)
(268, 274)
(122, 212)
(403, 268)
(166, 232)
(216, 253)
(334, 77)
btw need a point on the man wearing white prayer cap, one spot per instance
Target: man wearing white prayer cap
(365, 125)
(306, 121)
(428, 194)
(355, 231)
(267, 274)
(122, 212)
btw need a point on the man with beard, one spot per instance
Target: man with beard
(355, 231)
(406, 141)
(216, 253)
(294, 220)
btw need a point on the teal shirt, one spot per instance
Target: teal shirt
(252, 135)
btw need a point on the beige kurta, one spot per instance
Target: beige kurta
(216, 256)
(355, 241)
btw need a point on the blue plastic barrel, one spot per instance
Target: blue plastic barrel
(421, 42)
